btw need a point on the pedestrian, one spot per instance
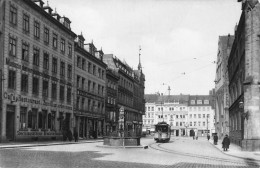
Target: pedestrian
(216, 139)
(208, 137)
(75, 134)
(69, 135)
(225, 143)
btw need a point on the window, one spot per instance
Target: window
(89, 67)
(94, 70)
(35, 89)
(69, 71)
(177, 123)
(25, 52)
(190, 123)
(194, 123)
(54, 91)
(24, 83)
(78, 81)
(62, 93)
(36, 30)
(13, 15)
(62, 69)
(99, 73)
(203, 115)
(83, 64)
(36, 56)
(32, 118)
(62, 45)
(199, 101)
(102, 74)
(177, 116)
(69, 50)
(12, 46)
(26, 23)
(69, 95)
(54, 41)
(54, 65)
(152, 108)
(194, 115)
(204, 124)
(83, 83)
(51, 120)
(94, 87)
(180, 123)
(192, 101)
(190, 115)
(89, 84)
(46, 61)
(82, 103)
(12, 79)
(46, 36)
(199, 123)
(79, 61)
(45, 86)
(206, 101)
(23, 111)
(199, 115)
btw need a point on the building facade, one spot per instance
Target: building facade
(112, 110)
(244, 76)
(126, 94)
(186, 114)
(37, 49)
(90, 77)
(221, 86)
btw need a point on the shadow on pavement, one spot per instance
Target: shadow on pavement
(250, 162)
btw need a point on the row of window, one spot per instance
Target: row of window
(199, 115)
(36, 31)
(81, 84)
(126, 84)
(38, 120)
(36, 58)
(92, 68)
(111, 100)
(89, 105)
(111, 84)
(199, 101)
(180, 108)
(125, 99)
(36, 86)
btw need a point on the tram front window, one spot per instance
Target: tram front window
(161, 129)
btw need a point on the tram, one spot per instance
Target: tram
(162, 132)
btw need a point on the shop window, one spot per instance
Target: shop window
(44, 119)
(40, 120)
(23, 112)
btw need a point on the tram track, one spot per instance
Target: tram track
(158, 147)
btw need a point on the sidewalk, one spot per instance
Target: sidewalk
(236, 151)
(44, 143)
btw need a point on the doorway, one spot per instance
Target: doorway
(10, 113)
(177, 133)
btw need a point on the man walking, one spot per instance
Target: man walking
(225, 143)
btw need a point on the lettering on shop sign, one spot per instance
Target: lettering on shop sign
(19, 98)
(35, 72)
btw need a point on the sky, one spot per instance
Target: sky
(178, 38)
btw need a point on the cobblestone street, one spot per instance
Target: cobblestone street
(179, 152)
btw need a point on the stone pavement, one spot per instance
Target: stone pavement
(44, 143)
(235, 150)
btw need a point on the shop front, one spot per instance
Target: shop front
(26, 118)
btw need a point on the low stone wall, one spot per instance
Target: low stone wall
(117, 141)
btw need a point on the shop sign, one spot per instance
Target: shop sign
(19, 98)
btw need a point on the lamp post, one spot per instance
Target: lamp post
(186, 126)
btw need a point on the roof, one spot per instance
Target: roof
(156, 98)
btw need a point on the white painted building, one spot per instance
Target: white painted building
(185, 113)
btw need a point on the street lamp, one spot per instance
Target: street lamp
(186, 126)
